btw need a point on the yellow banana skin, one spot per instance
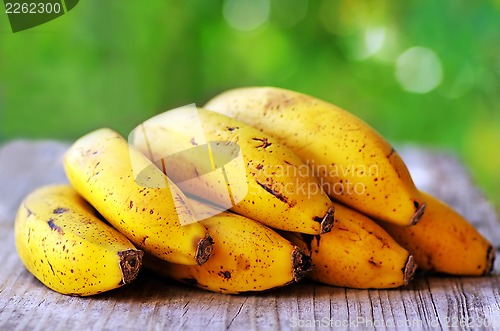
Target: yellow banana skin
(356, 165)
(68, 248)
(279, 193)
(357, 253)
(444, 241)
(247, 257)
(99, 167)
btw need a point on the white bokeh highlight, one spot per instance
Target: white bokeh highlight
(373, 39)
(246, 15)
(419, 70)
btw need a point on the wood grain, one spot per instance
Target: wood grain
(152, 303)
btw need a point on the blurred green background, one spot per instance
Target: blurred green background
(424, 72)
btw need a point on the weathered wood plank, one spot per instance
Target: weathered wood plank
(152, 303)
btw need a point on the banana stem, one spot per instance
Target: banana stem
(204, 249)
(301, 264)
(490, 260)
(418, 213)
(130, 264)
(409, 270)
(327, 221)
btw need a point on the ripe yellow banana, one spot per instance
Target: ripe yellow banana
(357, 253)
(68, 248)
(247, 257)
(149, 209)
(236, 166)
(444, 241)
(356, 165)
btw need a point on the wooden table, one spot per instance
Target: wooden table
(152, 303)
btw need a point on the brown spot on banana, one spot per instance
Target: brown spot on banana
(143, 241)
(130, 263)
(277, 194)
(28, 211)
(375, 264)
(204, 249)
(225, 274)
(381, 239)
(54, 226)
(51, 268)
(59, 211)
(265, 143)
(275, 102)
(429, 264)
(301, 263)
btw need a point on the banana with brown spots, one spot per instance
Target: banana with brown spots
(237, 167)
(356, 165)
(444, 241)
(247, 257)
(143, 205)
(68, 248)
(357, 253)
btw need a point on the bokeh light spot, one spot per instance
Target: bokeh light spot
(374, 40)
(371, 42)
(419, 70)
(246, 15)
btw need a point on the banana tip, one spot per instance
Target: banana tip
(130, 263)
(204, 250)
(409, 270)
(328, 220)
(301, 264)
(490, 260)
(418, 213)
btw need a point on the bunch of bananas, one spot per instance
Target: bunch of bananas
(260, 189)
